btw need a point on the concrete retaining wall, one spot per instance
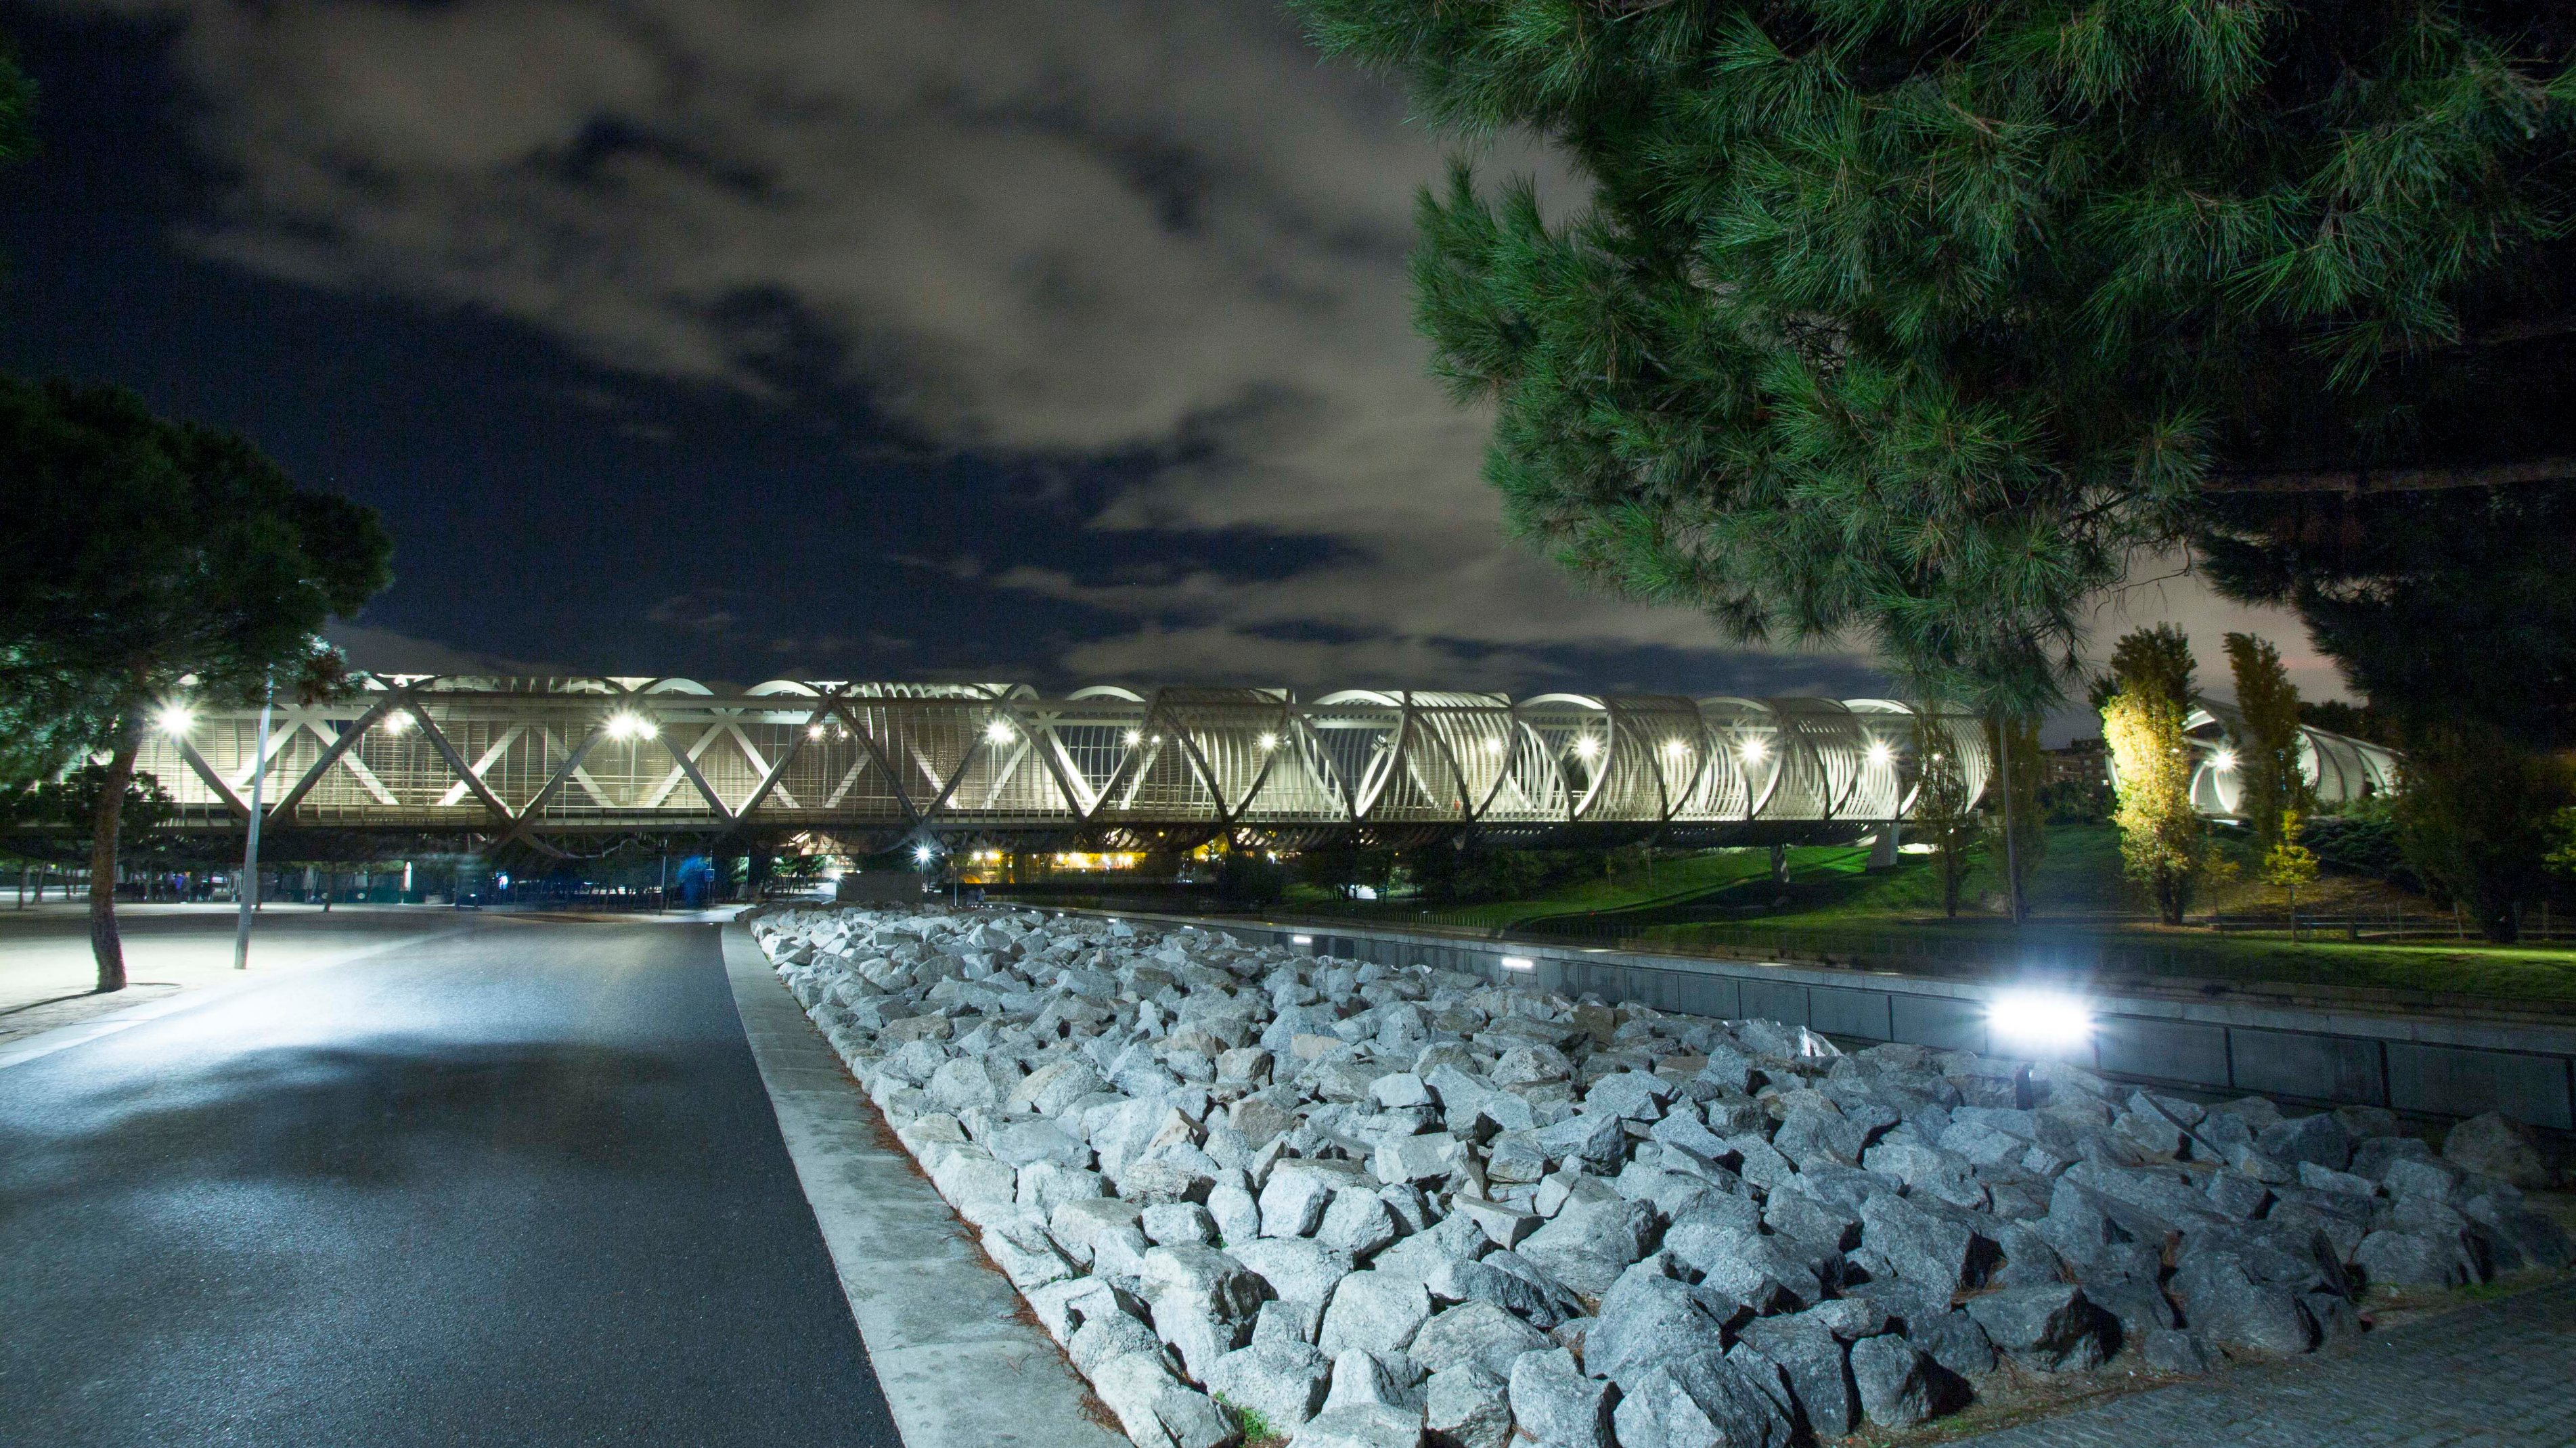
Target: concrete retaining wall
(2433, 1065)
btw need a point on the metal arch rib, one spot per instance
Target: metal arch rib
(206, 772)
(573, 757)
(912, 813)
(1047, 752)
(472, 781)
(686, 760)
(1207, 776)
(1511, 742)
(1457, 776)
(284, 809)
(979, 744)
(769, 779)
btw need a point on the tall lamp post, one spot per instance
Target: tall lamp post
(248, 894)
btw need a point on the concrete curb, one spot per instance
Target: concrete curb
(960, 1363)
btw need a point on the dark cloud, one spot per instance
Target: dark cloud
(1147, 252)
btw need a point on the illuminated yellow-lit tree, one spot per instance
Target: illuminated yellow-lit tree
(2163, 845)
(2289, 865)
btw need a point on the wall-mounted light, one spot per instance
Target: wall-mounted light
(1301, 940)
(1519, 962)
(2039, 1020)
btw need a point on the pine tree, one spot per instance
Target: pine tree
(2022, 819)
(2455, 615)
(2267, 758)
(1944, 814)
(1909, 321)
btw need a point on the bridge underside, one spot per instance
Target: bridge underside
(575, 765)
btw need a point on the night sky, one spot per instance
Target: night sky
(1061, 342)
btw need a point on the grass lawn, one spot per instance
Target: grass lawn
(2082, 920)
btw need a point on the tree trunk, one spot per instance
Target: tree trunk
(104, 945)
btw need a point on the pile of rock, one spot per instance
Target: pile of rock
(1370, 1203)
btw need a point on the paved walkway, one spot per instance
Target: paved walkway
(520, 1185)
(46, 971)
(2497, 1376)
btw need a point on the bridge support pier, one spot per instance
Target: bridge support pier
(1882, 851)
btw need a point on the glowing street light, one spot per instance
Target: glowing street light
(813, 731)
(629, 726)
(1879, 753)
(1587, 747)
(2039, 1022)
(397, 722)
(1135, 737)
(1754, 751)
(2225, 759)
(1269, 741)
(923, 854)
(998, 732)
(176, 719)
(1676, 747)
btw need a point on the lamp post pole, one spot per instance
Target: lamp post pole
(248, 892)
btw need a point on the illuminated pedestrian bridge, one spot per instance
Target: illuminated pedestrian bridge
(869, 764)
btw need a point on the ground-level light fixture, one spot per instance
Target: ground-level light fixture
(625, 725)
(2039, 1021)
(1519, 962)
(175, 719)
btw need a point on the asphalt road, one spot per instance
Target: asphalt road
(516, 1186)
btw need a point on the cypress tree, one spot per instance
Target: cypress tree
(2267, 759)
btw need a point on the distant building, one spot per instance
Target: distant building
(2082, 762)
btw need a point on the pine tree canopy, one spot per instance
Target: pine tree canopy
(1912, 321)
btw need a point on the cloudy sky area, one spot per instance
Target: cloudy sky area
(1062, 340)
